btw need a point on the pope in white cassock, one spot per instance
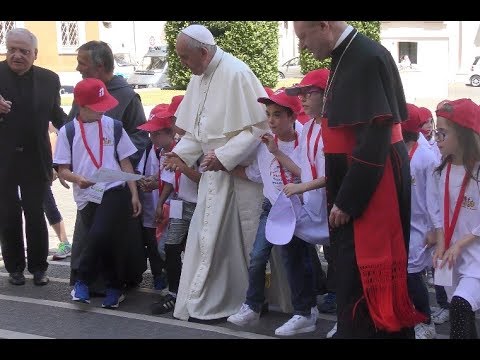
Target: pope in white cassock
(219, 108)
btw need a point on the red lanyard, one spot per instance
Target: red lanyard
(412, 150)
(282, 171)
(449, 227)
(100, 136)
(313, 167)
(177, 180)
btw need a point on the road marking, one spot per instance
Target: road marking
(7, 334)
(142, 317)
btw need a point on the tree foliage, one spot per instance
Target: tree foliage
(253, 42)
(368, 28)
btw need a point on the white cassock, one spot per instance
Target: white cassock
(217, 113)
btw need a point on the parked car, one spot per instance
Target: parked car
(290, 69)
(153, 70)
(474, 76)
(123, 65)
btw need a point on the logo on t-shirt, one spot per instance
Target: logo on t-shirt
(107, 141)
(276, 176)
(469, 203)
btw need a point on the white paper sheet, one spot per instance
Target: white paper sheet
(109, 175)
(444, 276)
(176, 209)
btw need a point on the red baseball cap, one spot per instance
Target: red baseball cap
(315, 78)
(281, 98)
(425, 115)
(159, 119)
(92, 93)
(413, 122)
(464, 112)
(174, 104)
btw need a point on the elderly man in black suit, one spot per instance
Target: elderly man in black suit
(29, 99)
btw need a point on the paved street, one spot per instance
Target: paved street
(48, 312)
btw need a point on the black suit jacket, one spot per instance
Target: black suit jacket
(46, 107)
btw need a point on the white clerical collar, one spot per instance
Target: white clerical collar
(214, 62)
(342, 37)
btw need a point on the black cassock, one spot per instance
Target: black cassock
(368, 177)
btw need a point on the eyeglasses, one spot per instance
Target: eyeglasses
(439, 136)
(308, 93)
(25, 52)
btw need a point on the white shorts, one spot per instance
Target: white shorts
(467, 288)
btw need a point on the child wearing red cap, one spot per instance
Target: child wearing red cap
(427, 130)
(274, 168)
(180, 190)
(149, 166)
(310, 91)
(425, 220)
(458, 138)
(104, 207)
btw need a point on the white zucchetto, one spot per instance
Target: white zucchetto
(199, 33)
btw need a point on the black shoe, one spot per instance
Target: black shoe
(16, 278)
(40, 278)
(164, 306)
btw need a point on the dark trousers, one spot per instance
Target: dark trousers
(50, 207)
(23, 174)
(419, 294)
(104, 248)
(330, 280)
(297, 257)
(151, 251)
(174, 264)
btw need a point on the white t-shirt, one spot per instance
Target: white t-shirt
(82, 163)
(149, 199)
(266, 169)
(187, 188)
(425, 208)
(468, 262)
(312, 224)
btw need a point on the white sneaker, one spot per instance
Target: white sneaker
(244, 316)
(425, 331)
(298, 324)
(441, 316)
(332, 332)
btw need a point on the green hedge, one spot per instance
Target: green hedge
(368, 28)
(254, 42)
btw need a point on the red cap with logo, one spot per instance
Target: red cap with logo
(315, 78)
(413, 122)
(159, 119)
(464, 112)
(92, 93)
(281, 98)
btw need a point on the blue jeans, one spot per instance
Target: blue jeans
(298, 265)
(258, 262)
